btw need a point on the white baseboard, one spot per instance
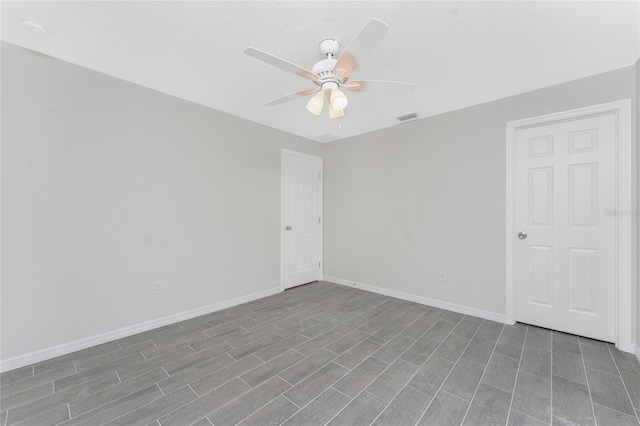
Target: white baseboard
(67, 348)
(461, 309)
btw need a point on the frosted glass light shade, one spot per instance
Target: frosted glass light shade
(335, 113)
(314, 106)
(338, 100)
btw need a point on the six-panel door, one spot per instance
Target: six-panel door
(565, 185)
(302, 217)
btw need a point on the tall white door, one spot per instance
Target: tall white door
(302, 218)
(565, 184)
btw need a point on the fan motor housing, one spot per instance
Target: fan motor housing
(324, 66)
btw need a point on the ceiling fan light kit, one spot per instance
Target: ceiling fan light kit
(334, 113)
(339, 100)
(332, 74)
(315, 104)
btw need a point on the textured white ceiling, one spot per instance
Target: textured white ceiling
(459, 53)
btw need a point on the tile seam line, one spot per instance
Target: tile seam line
(240, 396)
(150, 402)
(126, 412)
(421, 365)
(227, 382)
(365, 388)
(64, 390)
(452, 368)
(515, 384)
(316, 397)
(550, 378)
(586, 377)
(482, 376)
(623, 384)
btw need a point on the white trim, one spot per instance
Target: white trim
(282, 201)
(88, 342)
(625, 228)
(461, 309)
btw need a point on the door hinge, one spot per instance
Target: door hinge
(318, 264)
(319, 220)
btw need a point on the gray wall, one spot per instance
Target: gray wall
(108, 187)
(431, 193)
(637, 148)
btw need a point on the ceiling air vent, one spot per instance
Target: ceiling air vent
(407, 117)
(326, 137)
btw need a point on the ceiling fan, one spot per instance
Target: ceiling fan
(330, 74)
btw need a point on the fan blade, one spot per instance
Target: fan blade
(384, 87)
(360, 47)
(280, 63)
(290, 97)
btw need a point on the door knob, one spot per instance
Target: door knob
(288, 228)
(522, 235)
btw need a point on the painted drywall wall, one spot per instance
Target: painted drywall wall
(636, 137)
(108, 187)
(431, 193)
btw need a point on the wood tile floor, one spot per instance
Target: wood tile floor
(324, 353)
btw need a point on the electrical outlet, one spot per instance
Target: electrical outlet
(442, 275)
(157, 287)
(422, 272)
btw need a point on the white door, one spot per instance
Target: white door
(565, 189)
(301, 218)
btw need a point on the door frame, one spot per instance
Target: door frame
(625, 244)
(282, 207)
